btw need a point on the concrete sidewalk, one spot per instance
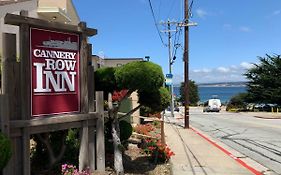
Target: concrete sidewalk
(196, 156)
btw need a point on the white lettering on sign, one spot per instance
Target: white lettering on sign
(40, 53)
(57, 71)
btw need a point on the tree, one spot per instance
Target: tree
(144, 77)
(264, 84)
(193, 93)
(237, 101)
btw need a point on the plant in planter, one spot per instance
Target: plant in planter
(160, 153)
(5, 150)
(68, 169)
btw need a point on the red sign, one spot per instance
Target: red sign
(54, 72)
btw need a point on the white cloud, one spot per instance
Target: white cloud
(223, 69)
(205, 70)
(227, 26)
(246, 65)
(201, 13)
(230, 73)
(244, 29)
(276, 12)
(233, 67)
(177, 79)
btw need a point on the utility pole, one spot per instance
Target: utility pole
(186, 64)
(186, 25)
(170, 60)
(170, 68)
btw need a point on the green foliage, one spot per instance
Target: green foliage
(40, 157)
(5, 150)
(139, 75)
(126, 130)
(105, 79)
(72, 147)
(237, 102)
(264, 84)
(156, 100)
(193, 93)
(159, 152)
(145, 77)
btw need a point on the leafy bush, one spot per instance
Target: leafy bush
(68, 169)
(126, 131)
(144, 129)
(5, 150)
(160, 153)
(40, 155)
(237, 102)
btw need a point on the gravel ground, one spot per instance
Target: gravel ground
(136, 163)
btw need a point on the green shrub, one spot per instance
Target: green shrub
(5, 150)
(126, 130)
(40, 155)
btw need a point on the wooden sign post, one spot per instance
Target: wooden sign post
(47, 90)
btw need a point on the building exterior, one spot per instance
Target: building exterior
(99, 62)
(51, 10)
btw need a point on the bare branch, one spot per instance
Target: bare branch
(130, 112)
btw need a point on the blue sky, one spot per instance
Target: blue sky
(229, 37)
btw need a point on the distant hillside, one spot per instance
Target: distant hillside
(223, 84)
(220, 84)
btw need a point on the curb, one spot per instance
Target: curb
(267, 117)
(238, 160)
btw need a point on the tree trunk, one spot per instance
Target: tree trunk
(115, 131)
(118, 160)
(53, 158)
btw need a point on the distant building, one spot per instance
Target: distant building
(99, 62)
(62, 11)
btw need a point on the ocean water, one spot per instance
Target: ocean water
(223, 93)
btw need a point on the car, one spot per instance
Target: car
(212, 105)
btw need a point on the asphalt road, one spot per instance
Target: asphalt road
(256, 138)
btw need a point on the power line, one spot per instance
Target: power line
(159, 8)
(155, 22)
(190, 9)
(177, 43)
(171, 8)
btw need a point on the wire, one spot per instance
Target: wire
(159, 8)
(190, 9)
(155, 23)
(176, 42)
(171, 8)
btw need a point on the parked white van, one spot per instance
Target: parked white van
(212, 105)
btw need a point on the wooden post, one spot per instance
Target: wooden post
(10, 75)
(84, 69)
(9, 54)
(11, 110)
(4, 112)
(91, 96)
(83, 152)
(92, 148)
(91, 80)
(162, 132)
(100, 132)
(25, 91)
(84, 146)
